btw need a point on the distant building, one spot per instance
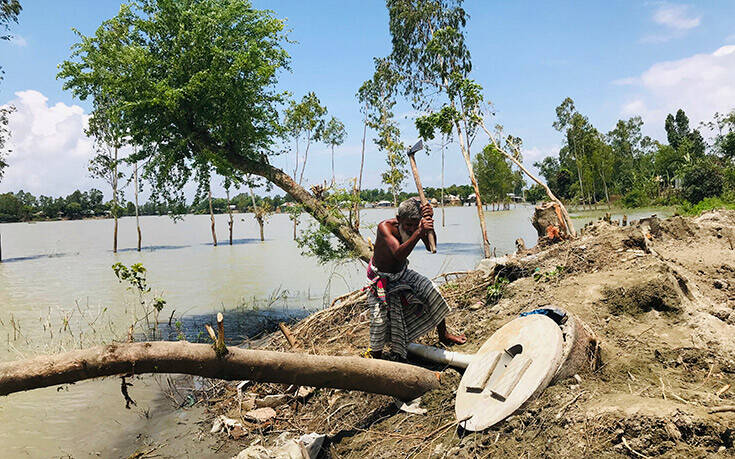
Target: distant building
(384, 204)
(452, 200)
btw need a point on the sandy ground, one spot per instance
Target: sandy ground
(660, 295)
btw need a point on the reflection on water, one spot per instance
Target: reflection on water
(58, 292)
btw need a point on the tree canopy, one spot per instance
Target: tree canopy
(192, 85)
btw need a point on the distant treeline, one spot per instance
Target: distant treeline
(24, 206)
(595, 167)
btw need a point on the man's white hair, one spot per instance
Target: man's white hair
(410, 209)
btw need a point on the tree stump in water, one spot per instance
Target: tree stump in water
(549, 223)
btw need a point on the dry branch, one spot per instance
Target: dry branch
(351, 373)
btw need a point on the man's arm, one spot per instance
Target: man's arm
(400, 251)
(427, 212)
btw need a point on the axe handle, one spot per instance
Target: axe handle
(422, 197)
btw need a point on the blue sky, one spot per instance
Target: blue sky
(615, 59)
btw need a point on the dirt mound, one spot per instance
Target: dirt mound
(659, 294)
(658, 291)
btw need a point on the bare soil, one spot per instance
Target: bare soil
(660, 295)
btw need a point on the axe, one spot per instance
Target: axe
(420, 145)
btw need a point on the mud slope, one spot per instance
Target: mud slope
(659, 294)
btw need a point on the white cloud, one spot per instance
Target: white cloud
(17, 40)
(50, 151)
(701, 84)
(537, 154)
(675, 20)
(676, 17)
(625, 81)
(730, 39)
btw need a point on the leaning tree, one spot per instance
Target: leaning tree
(194, 84)
(430, 52)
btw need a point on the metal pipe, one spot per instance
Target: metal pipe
(434, 354)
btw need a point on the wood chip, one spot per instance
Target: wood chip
(260, 414)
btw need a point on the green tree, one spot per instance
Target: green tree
(494, 175)
(334, 135)
(304, 120)
(105, 165)
(9, 11)
(378, 96)
(430, 54)
(678, 131)
(194, 83)
(701, 178)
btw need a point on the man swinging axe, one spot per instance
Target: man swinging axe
(404, 304)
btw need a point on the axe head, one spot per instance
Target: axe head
(419, 146)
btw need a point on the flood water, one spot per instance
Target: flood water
(58, 292)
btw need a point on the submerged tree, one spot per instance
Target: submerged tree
(196, 82)
(305, 120)
(261, 211)
(136, 188)
(108, 134)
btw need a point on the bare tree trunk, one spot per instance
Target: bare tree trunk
(229, 210)
(567, 220)
(351, 373)
(442, 196)
(211, 214)
(359, 182)
(258, 217)
(607, 196)
(332, 164)
(478, 201)
(137, 216)
(1, 248)
(114, 203)
(306, 156)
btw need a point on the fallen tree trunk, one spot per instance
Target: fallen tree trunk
(351, 373)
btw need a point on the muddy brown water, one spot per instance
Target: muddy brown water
(58, 292)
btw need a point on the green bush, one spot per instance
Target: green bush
(701, 178)
(705, 205)
(536, 194)
(636, 198)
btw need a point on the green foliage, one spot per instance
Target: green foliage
(192, 83)
(305, 119)
(547, 276)
(535, 194)
(318, 240)
(705, 205)
(377, 98)
(701, 178)
(494, 175)
(133, 275)
(9, 11)
(334, 132)
(495, 291)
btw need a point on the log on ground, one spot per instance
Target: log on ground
(350, 373)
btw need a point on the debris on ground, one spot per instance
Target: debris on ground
(660, 296)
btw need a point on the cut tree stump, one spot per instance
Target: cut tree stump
(350, 373)
(549, 223)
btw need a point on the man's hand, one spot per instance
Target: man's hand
(426, 226)
(427, 211)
